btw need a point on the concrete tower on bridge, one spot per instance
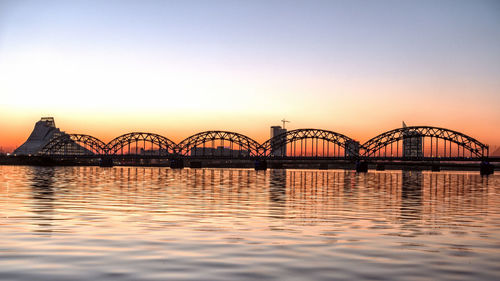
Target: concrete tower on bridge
(44, 131)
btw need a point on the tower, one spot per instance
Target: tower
(412, 143)
(278, 144)
(352, 148)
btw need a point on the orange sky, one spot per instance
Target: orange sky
(108, 127)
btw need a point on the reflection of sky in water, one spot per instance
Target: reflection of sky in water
(155, 223)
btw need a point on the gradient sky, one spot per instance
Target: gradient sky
(179, 67)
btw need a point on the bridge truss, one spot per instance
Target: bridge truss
(140, 143)
(310, 143)
(432, 142)
(74, 145)
(218, 144)
(416, 142)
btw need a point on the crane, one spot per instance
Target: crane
(284, 121)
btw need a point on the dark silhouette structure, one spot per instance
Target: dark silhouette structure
(408, 145)
(238, 145)
(435, 143)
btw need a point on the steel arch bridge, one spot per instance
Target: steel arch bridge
(141, 143)
(408, 143)
(74, 145)
(212, 143)
(333, 144)
(453, 144)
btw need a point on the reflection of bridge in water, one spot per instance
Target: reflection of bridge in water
(408, 199)
(418, 144)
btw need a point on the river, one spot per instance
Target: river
(146, 223)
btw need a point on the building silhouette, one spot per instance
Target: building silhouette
(278, 145)
(44, 131)
(412, 143)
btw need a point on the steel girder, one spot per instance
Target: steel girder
(245, 143)
(300, 134)
(80, 144)
(165, 146)
(74, 144)
(472, 145)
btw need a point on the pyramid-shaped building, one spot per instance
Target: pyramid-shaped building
(44, 131)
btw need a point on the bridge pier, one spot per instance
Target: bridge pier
(361, 167)
(176, 164)
(486, 168)
(260, 164)
(435, 168)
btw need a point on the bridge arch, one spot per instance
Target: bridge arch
(141, 143)
(218, 143)
(310, 143)
(424, 141)
(74, 145)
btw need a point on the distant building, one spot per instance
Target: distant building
(278, 144)
(219, 151)
(162, 151)
(351, 148)
(412, 143)
(44, 131)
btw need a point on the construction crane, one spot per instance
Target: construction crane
(284, 121)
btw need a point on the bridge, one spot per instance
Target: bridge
(415, 144)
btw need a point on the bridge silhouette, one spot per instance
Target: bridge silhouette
(413, 143)
(436, 143)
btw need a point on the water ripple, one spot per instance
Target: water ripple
(135, 223)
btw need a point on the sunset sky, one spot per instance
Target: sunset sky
(176, 68)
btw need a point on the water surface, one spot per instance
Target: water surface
(130, 223)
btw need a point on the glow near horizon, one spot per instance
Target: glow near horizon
(358, 68)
